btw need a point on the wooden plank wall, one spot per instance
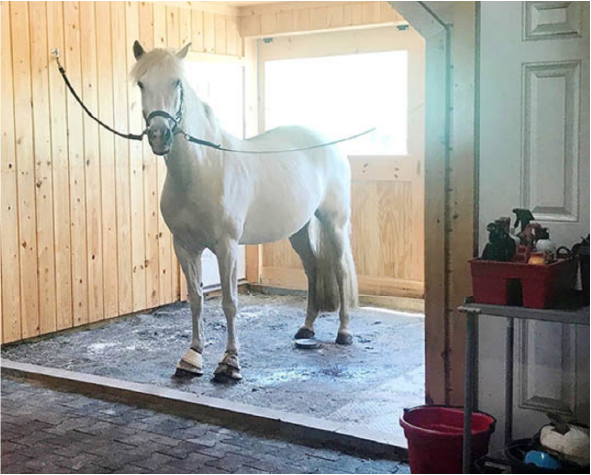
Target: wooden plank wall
(82, 238)
(386, 248)
(288, 17)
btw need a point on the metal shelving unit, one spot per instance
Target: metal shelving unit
(573, 313)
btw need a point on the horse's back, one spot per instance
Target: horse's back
(288, 188)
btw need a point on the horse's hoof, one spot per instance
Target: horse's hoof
(345, 339)
(226, 374)
(228, 369)
(190, 365)
(186, 370)
(304, 334)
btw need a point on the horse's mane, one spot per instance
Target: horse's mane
(158, 59)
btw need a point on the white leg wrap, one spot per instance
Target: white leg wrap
(193, 358)
(231, 360)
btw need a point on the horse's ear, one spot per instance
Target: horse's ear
(138, 49)
(182, 53)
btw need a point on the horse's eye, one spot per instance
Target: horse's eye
(140, 84)
(177, 83)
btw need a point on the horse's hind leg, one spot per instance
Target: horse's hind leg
(300, 242)
(344, 273)
(191, 363)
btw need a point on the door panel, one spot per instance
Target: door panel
(534, 153)
(387, 191)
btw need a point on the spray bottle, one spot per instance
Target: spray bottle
(526, 238)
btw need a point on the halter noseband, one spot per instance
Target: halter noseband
(176, 119)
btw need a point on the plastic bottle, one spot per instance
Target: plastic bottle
(544, 243)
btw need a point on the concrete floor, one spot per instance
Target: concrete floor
(366, 384)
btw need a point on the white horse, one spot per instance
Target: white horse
(218, 200)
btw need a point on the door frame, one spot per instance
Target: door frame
(451, 184)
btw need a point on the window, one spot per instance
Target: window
(341, 96)
(221, 85)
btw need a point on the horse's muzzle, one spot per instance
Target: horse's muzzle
(160, 139)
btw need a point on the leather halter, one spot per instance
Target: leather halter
(176, 119)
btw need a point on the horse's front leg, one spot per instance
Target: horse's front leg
(227, 253)
(191, 363)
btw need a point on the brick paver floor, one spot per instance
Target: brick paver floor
(48, 431)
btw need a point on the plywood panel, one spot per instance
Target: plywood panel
(197, 31)
(94, 219)
(174, 42)
(25, 150)
(164, 240)
(269, 23)
(285, 20)
(364, 220)
(233, 39)
(280, 254)
(185, 27)
(43, 165)
(107, 162)
(301, 20)
(77, 167)
(368, 285)
(208, 32)
(11, 302)
(335, 16)
(150, 166)
(61, 173)
(136, 176)
(382, 234)
(220, 34)
(122, 162)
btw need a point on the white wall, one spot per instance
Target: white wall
(534, 102)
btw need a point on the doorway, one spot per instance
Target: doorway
(341, 83)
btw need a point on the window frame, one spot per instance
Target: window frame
(374, 39)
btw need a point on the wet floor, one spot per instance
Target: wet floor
(367, 383)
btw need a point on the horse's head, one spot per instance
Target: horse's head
(159, 75)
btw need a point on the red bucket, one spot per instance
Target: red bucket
(435, 434)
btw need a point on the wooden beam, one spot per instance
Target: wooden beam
(436, 157)
(253, 264)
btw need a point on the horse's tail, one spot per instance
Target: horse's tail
(327, 290)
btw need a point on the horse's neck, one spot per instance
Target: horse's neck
(185, 158)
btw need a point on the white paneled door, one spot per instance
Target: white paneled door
(534, 153)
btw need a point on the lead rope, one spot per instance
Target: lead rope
(177, 128)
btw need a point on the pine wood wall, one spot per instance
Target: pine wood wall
(82, 237)
(278, 18)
